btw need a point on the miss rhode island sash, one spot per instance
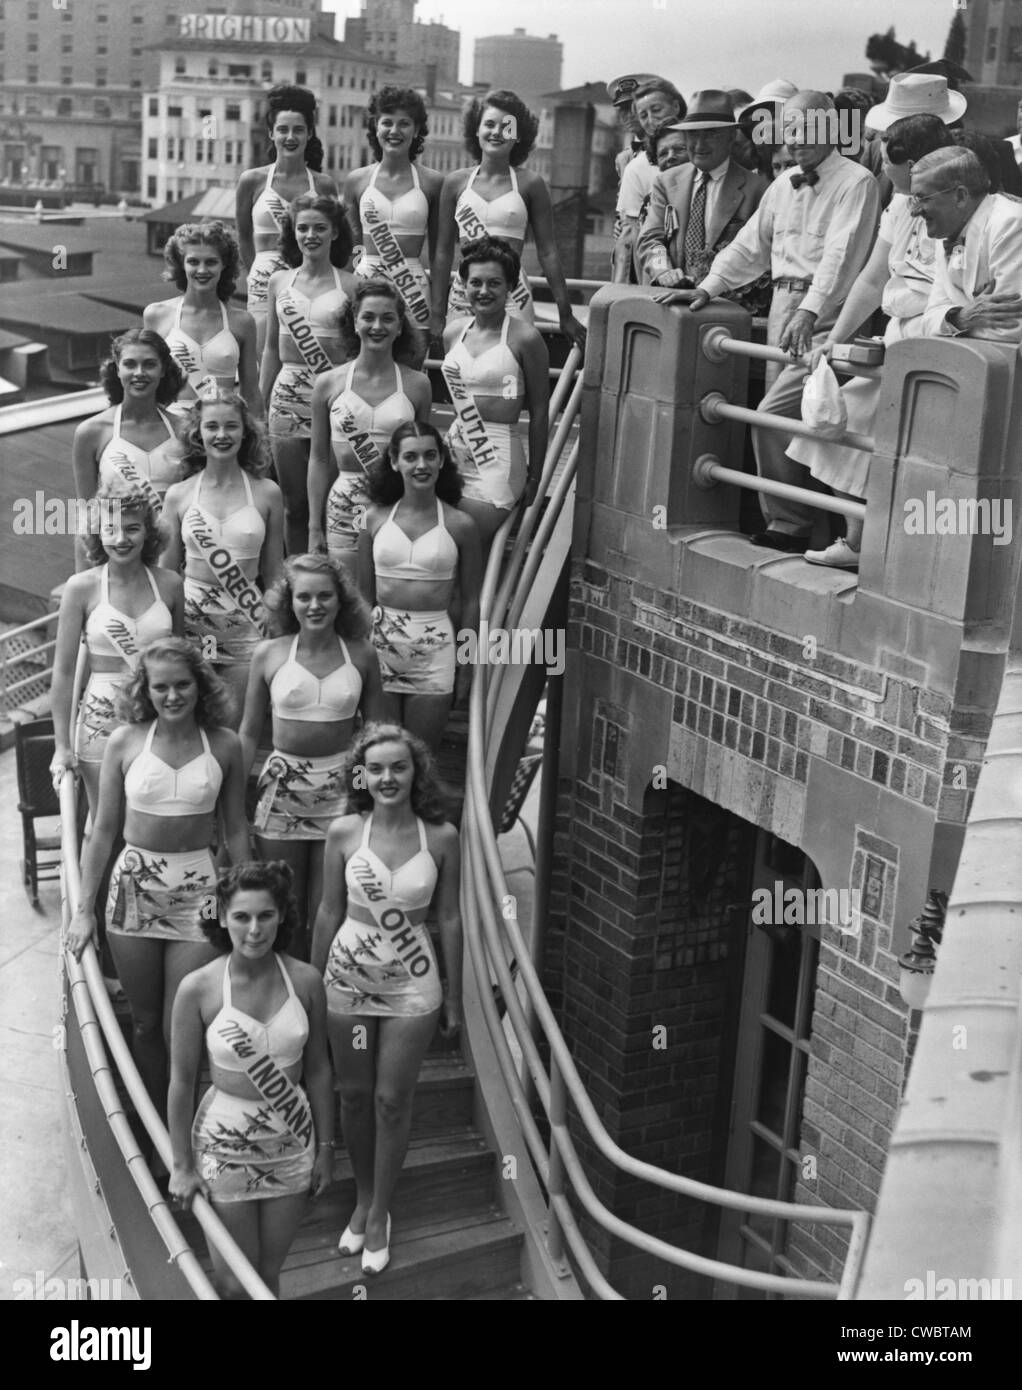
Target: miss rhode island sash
(301, 332)
(232, 579)
(402, 934)
(281, 1095)
(394, 262)
(471, 230)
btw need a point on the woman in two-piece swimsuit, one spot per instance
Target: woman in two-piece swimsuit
(257, 1148)
(265, 193)
(135, 442)
(316, 683)
(416, 552)
(225, 507)
(384, 867)
(361, 404)
(503, 364)
(499, 199)
(167, 774)
(213, 342)
(403, 196)
(303, 342)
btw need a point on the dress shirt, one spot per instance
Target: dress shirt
(987, 251)
(712, 187)
(636, 183)
(821, 233)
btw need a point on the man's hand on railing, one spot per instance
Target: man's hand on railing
(81, 929)
(571, 328)
(673, 280)
(824, 350)
(695, 299)
(184, 1184)
(797, 337)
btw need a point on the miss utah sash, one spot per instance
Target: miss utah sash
(232, 579)
(471, 425)
(394, 262)
(281, 1095)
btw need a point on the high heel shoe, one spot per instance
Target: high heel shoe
(376, 1261)
(351, 1242)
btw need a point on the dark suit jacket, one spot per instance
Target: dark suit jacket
(662, 236)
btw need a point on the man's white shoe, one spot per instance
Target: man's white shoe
(839, 555)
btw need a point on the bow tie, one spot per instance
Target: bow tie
(812, 177)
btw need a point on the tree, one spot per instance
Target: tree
(885, 54)
(954, 49)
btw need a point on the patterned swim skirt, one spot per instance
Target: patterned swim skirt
(346, 506)
(299, 796)
(161, 895)
(365, 974)
(290, 413)
(416, 651)
(244, 1151)
(222, 633)
(502, 483)
(266, 263)
(97, 714)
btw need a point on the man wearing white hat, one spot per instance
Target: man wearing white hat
(917, 94)
(699, 207)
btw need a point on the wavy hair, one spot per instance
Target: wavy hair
(215, 234)
(503, 100)
(272, 876)
(491, 248)
(128, 499)
(426, 798)
(352, 621)
(384, 103)
(169, 384)
(911, 137)
(384, 483)
(407, 346)
(254, 454)
(331, 208)
(214, 704)
(300, 99)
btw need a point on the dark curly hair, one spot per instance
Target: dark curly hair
(254, 454)
(407, 346)
(384, 103)
(214, 703)
(426, 798)
(384, 483)
(169, 384)
(352, 621)
(300, 99)
(911, 137)
(491, 248)
(528, 125)
(273, 876)
(330, 207)
(128, 499)
(215, 234)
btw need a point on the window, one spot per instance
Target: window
(329, 79)
(992, 44)
(214, 67)
(64, 106)
(233, 111)
(101, 108)
(150, 187)
(239, 70)
(198, 151)
(332, 116)
(136, 50)
(102, 17)
(50, 161)
(171, 142)
(31, 73)
(154, 106)
(101, 77)
(66, 77)
(300, 76)
(67, 43)
(101, 48)
(134, 110)
(174, 110)
(138, 18)
(179, 66)
(33, 9)
(1014, 45)
(33, 43)
(266, 71)
(153, 148)
(170, 19)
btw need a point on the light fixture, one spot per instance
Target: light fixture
(919, 962)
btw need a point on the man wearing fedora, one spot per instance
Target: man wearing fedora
(698, 207)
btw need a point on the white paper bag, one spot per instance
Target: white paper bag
(822, 404)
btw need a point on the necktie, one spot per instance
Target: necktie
(695, 232)
(812, 177)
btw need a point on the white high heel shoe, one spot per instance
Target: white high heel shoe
(376, 1261)
(351, 1242)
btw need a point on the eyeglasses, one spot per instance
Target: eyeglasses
(918, 201)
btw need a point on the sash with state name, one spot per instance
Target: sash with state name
(399, 272)
(471, 230)
(282, 1096)
(471, 425)
(198, 378)
(275, 206)
(301, 332)
(357, 440)
(232, 579)
(409, 941)
(124, 466)
(123, 639)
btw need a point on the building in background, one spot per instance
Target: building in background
(521, 62)
(389, 30)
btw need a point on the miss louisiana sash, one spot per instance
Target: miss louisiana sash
(395, 264)
(232, 579)
(358, 440)
(301, 332)
(134, 478)
(281, 1095)
(399, 930)
(471, 425)
(471, 230)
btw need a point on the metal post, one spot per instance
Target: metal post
(558, 1117)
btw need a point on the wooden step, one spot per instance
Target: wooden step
(507, 1293)
(443, 1097)
(448, 1175)
(452, 1258)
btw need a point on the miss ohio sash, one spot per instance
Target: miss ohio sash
(232, 579)
(301, 332)
(398, 929)
(394, 262)
(281, 1095)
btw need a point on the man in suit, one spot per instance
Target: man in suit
(698, 207)
(979, 248)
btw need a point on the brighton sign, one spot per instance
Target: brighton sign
(226, 28)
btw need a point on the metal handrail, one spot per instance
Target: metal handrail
(708, 470)
(715, 407)
(484, 886)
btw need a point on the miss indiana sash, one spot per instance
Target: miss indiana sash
(403, 935)
(232, 579)
(471, 425)
(281, 1095)
(394, 262)
(134, 478)
(301, 332)
(471, 230)
(358, 440)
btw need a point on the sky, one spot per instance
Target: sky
(696, 43)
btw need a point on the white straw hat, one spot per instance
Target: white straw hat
(917, 94)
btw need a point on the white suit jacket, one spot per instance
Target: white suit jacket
(991, 252)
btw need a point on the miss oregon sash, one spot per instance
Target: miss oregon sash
(230, 576)
(134, 478)
(358, 441)
(403, 935)
(394, 263)
(471, 230)
(281, 1095)
(471, 425)
(301, 332)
